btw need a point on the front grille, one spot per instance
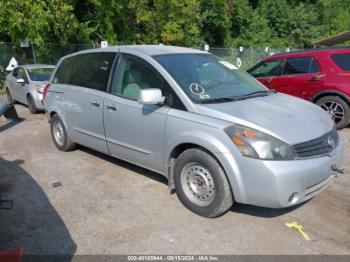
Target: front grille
(317, 147)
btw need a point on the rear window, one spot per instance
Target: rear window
(40, 74)
(342, 60)
(89, 70)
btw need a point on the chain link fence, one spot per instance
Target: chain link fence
(243, 57)
(51, 53)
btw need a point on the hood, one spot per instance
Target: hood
(288, 118)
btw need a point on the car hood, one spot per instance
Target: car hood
(288, 118)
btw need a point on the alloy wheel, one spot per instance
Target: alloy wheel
(334, 109)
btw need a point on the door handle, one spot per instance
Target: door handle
(267, 82)
(316, 78)
(94, 104)
(111, 107)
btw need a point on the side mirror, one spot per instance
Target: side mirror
(20, 81)
(151, 96)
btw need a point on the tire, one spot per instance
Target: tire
(9, 97)
(31, 105)
(337, 108)
(60, 136)
(201, 183)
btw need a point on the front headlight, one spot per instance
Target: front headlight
(256, 144)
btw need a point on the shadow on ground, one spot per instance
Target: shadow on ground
(262, 211)
(32, 224)
(134, 168)
(10, 123)
(236, 208)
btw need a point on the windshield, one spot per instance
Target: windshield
(40, 74)
(205, 77)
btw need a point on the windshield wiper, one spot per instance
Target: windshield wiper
(270, 91)
(237, 98)
(218, 100)
(256, 94)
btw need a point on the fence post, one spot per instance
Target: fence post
(33, 51)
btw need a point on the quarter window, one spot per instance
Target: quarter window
(269, 68)
(89, 70)
(342, 60)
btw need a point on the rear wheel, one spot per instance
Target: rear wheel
(31, 105)
(59, 135)
(9, 97)
(201, 184)
(337, 108)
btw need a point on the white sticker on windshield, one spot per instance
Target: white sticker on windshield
(228, 65)
(205, 96)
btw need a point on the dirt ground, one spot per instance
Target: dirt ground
(107, 206)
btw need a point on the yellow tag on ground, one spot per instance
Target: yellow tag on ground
(298, 227)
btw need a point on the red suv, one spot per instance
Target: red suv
(321, 76)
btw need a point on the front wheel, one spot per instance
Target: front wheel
(31, 105)
(337, 108)
(201, 183)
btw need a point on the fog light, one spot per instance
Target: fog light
(293, 198)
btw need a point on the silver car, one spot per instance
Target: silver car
(217, 134)
(25, 84)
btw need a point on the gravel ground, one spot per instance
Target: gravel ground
(107, 206)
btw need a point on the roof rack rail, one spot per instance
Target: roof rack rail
(313, 50)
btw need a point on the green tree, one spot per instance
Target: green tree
(41, 21)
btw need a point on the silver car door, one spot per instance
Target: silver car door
(21, 88)
(12, 83)
(135, 132)
(83, 86)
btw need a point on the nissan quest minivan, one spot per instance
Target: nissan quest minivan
(216, 133)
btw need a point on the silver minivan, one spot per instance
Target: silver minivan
(217, 134)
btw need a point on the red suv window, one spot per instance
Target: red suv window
(300, 65)
(342, 60)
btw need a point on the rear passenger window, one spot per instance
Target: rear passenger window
(342, 60)
(302, 65)
(89, 70)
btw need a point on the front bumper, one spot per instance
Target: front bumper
(278, 184)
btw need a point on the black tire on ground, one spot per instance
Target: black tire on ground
(221, 201)
(9, 97)
(65, 144)
(326, 101)
(31, 105)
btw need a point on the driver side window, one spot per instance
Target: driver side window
(22, 75)
(267, 69)
(134, 74)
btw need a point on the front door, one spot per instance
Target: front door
(268, 73)
(21, 88)
(135, 132)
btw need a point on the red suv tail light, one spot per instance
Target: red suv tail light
(46, 88)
